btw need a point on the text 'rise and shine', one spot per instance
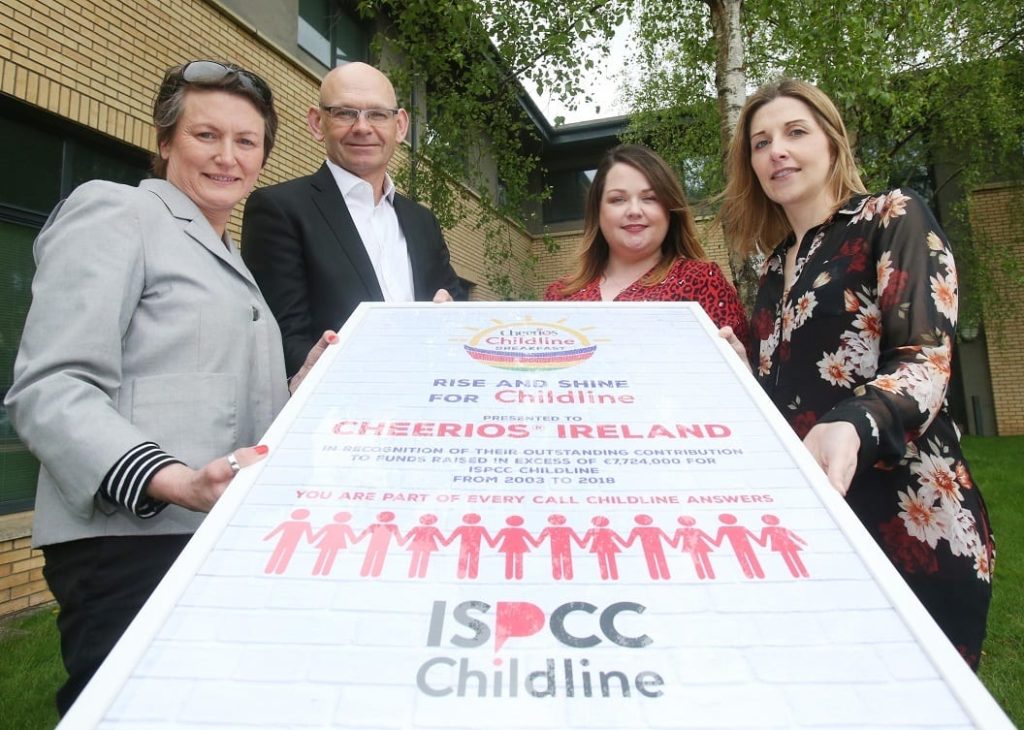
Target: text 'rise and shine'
(565, 391)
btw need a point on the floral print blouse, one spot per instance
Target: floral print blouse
(865, 335)
(688, 280)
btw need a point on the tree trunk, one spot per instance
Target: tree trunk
(730, 75)
(731, 84)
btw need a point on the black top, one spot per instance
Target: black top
(865, 335)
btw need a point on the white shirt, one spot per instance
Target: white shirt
(379, 230)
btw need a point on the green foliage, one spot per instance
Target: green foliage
(896, 70)
(460, 68)
(917, 82)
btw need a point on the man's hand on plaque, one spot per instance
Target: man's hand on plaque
(329, 337)
(729, 336)
(834, 446)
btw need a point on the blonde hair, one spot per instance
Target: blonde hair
(750, 219)
(680, 240)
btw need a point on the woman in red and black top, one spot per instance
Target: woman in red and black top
(640, 243)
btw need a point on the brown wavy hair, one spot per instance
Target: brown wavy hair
(680, 240)
(751, 220)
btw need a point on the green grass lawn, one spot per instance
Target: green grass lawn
(998, 468)
(30, 669)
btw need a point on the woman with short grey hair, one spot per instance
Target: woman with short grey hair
(150, 363)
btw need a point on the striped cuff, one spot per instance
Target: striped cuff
(126, 482)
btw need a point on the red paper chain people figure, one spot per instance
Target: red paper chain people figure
(651, 539)
(560, 539)
(380, 534)
(332, 539)
(786, 543)
(423, 540)
(604, 543)
(514, 541)
(471, 535)
(739, 539)
(697, 543)
(291, 531)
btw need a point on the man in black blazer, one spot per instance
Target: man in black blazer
(319, 245)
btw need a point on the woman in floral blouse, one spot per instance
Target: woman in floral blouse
(640, 243)
(852, 338)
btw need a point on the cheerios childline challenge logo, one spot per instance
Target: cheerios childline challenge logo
(530, 345)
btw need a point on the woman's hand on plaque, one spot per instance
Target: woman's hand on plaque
(328, 338)
(834, 446)
(729, 336)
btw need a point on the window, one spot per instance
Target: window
(18, 468)
(51, 162)
(568, 195)
(36, 153)
(330, 31)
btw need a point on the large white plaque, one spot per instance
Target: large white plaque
(533, 515)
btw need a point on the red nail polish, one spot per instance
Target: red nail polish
(261, 449)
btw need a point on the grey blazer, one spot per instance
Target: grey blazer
(144, 326)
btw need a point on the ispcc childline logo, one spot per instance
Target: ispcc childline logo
(529, 345)
(470, 624)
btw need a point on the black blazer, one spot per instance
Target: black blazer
(300, 243)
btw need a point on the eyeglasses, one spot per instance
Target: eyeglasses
(213, 72)
(348, 116)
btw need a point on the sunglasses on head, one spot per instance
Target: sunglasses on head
(213, 72)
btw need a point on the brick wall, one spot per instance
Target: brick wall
(552, 266)
(21, 568)
(100, 63)
(999, 230)
(714, 243)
